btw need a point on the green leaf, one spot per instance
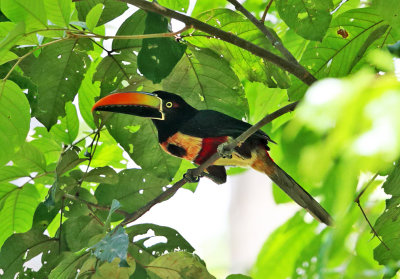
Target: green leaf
(309, 19)
(102, 175)
(92, 18)
(179, 265)
(32, 12)
(114, 69)
(238, 276)
(108, 270)
(68, 267)
(58, 11)
(199, 75)
(58, 73)
(205, 5)
(395, 49)
(133, 25)
(161, 238)
(86, 94)
(142, 146)
(21, 247)
(8, 173)
(113, 245)
(134, 185)
(67, 131)
(112, 9)
(292, 237)
(388, 225)
(246, 65)
(14, 119)
(337, 55)
(8, 56)
(78, 232)
(158, 56)
(18, 207)
(69, 160)
(114, 206)
(30, 158)
(13, 33)
(178, 5)
(389, 10)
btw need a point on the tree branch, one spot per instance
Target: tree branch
(266, 11)
(270, 35)
(291, 67)
(199, 170)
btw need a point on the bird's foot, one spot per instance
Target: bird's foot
(191, 176)
(224, 151)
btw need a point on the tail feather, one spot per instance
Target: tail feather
(292, 188)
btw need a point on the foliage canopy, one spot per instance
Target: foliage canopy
(56, 61)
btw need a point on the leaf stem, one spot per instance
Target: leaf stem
(197, 172)
(266, 11)
(357, 200)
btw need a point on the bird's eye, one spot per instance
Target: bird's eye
(168, 104)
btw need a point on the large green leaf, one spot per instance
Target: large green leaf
(206, 81)
(135, 189)
(280, 251)
(180, 265)
(158, 56)
(178, 5)
(79, 230)
(32, 12)
(338, 53)
(112, 9)
(133, 25)
(93, 16)
(20, 248)
(390, 11)
(58, 72)
(30, 158)
(115, 69)
(14, 119)
(18, 205)
(8, 173)
(309, 19)
(58, 11)
(68, 268)
(246, 65)
(68, 129)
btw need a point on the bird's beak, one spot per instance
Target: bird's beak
(136, 103)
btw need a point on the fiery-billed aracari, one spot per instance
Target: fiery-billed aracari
(194, 135)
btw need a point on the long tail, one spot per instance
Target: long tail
(265, 164)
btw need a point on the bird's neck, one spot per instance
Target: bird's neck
(171, 124)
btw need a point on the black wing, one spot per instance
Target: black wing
(210, 123)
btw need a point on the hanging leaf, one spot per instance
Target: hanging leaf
(309, 19)
(158, 56)
(58, 72)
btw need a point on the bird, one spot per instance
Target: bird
(194, 135)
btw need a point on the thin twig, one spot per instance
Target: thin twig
(357, 200)
(61, 215)
(266, 11)
(128, 37)
(197, 172)
(270, 36)
(97, 206)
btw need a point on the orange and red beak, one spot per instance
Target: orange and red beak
(136, 103)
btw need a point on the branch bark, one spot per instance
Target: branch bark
(293, 68)
(199, 170)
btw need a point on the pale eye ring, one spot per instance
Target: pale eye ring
(168, 104)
